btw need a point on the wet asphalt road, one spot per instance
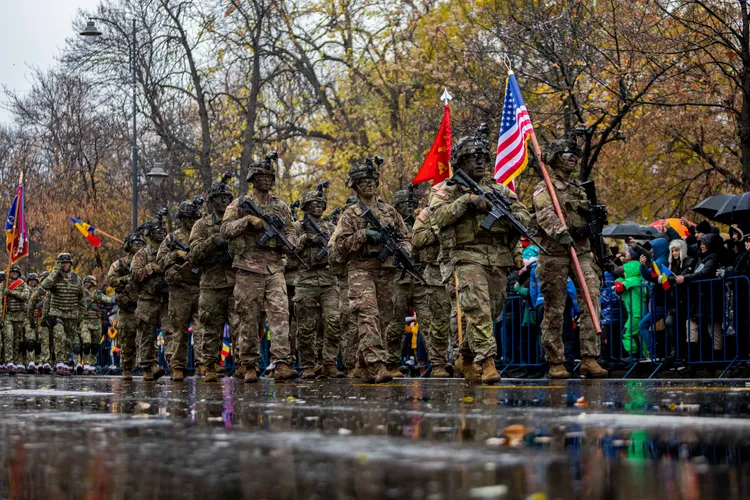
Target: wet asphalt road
(99, 437)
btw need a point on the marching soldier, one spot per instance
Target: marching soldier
(34, 330)
(477, 258)
(370, 280)
(16, 297)
(261, 286)
(127, 299)
(91, 328)
(316, 294)
(216, 306)
(183, 277)
(66, 305)
(151, 311)
(562, 157)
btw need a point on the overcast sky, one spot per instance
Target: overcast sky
(32, 33)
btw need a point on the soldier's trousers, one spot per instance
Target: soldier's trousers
(349, 339)
(13, 335)
(91, 333)
(40, 333)
(371, 303)
(432, 305)
(127, 332)
(394, 333)
(553, 273)
(66, 332)
(183, 312)
(150, 315)
(216, 308)
(254, 294)
(481, 295)
(313, 305)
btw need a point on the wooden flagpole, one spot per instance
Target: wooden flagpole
(97, 230)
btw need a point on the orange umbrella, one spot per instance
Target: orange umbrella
(676, 224)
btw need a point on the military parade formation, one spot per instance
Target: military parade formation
(333, 291)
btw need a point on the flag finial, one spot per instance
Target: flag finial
(507, 62)
(446, 97)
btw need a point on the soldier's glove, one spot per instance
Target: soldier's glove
(6, 291)
(255, 222)
(155, 269)
(480, 203)
(566, 241)
(219, 243)
(373, 236)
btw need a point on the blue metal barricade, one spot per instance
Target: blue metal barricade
(521, 345)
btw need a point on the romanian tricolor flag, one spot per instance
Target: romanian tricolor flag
(16, 231)
(662, 274)
(87, 230)
(225, 345)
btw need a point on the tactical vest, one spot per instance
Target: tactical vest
(15, 305)
(187, 276)
(65, 299)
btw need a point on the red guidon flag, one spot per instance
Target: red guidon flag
(435, 166)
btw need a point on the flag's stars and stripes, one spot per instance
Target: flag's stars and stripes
(515, 130)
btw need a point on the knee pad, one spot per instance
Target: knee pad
(94, 348)
(30, 343)
(51, 321)
(77, 348)
(86, 348)
(37, 348)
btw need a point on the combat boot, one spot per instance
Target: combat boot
(210, 376)
(153, 373)
(366, 375)
(489, 372)
(308, 374)
(558, 371)
(395, 372)
(439, 371)
(283, 372)
(381, 373)
(471, 371)
(330, 371)
(127, 375)
(591, 369)
(250, 376)
(177, 375)
(200, 370)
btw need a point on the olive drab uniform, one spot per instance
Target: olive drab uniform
(91, 327)
(16, 300)
(66, 305)
(554, 269)
(478, 258)
(370, 281)
(260, 285)
(183, 277)
(316, 300)
(36, 324)
(432, 302)
(151, 311)
(216, 306)
(127, 299)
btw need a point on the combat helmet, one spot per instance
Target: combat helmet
(220, 187)
(318, 195)
(400, 196)
(131, 238)
(267, 166)
(15, 268)
(477, 143)
(64, 257)
(44, 275)
(190, 209)
(33, 276)
(560, 146)
(366, 169)
(89, 279)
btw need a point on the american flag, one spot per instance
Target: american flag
(515, 129)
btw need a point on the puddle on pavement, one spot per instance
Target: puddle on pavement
(99, 437)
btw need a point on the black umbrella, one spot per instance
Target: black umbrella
(712, 204)
(630, 229)
(736, 209)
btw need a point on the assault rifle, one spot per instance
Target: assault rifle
(274, 224)
(500, 208)
(176, 245)
(392, 246)
(411, 205)
(310, 225)
(293, 209)
(596, 219)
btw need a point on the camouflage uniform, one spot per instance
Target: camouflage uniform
(370, 281)
(554, 269)
(127, 299)
(16, 300)
(316, 297)
(91, 327)
(432, 303)
(36, 324)
(66, 305)
(478, 258)
(260, 285)
(349, 339)
(183, 277)
(151, 311)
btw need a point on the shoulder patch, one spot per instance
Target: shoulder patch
(423, 214)
(441, 193)
(116, 264)
(538, 191)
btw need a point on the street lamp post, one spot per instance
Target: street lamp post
(157, 175)
(92, 31)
